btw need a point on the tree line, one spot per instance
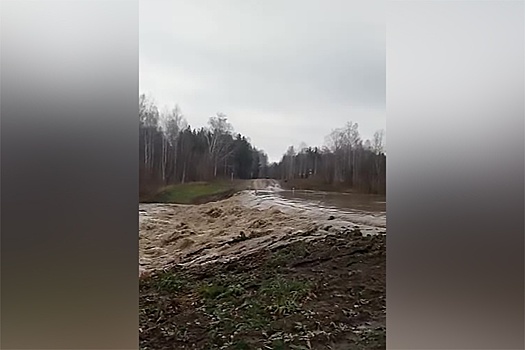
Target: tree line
(344, 160)
(171, 152)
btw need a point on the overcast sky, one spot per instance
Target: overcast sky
(284, 72)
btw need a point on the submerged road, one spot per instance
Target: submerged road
(367, 212)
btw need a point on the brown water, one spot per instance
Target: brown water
(267, 216)
(342, 201)
(368, 212)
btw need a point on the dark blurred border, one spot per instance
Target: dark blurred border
(69, 87)
(455, 123)
(69, 140)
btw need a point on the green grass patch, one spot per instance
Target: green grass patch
(240, 305)
(284, 287)
(218, 291)
(194, 192)
(284, 295)
(169, 282)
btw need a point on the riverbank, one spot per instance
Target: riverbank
(327, 293)
(196, 192)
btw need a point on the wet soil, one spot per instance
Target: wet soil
(324, 293)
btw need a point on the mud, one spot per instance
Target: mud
(323, 294)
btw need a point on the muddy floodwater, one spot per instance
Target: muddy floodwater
(366, 210)
(351, 202)
(263, 217)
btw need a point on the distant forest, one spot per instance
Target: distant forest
(173, 152)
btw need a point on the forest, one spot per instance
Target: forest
(172, 152)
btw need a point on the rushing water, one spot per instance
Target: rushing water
(368, 212)
(342, 201)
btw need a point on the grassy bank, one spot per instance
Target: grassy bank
(193, 192)
(323, 294)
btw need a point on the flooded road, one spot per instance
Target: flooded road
(367, 212)
(343, 201)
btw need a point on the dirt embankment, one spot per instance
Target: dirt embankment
(323, 294)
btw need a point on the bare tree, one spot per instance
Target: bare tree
(219, 140)
(149, 118)
(378, 149)
(378, 146)
(173, 123)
